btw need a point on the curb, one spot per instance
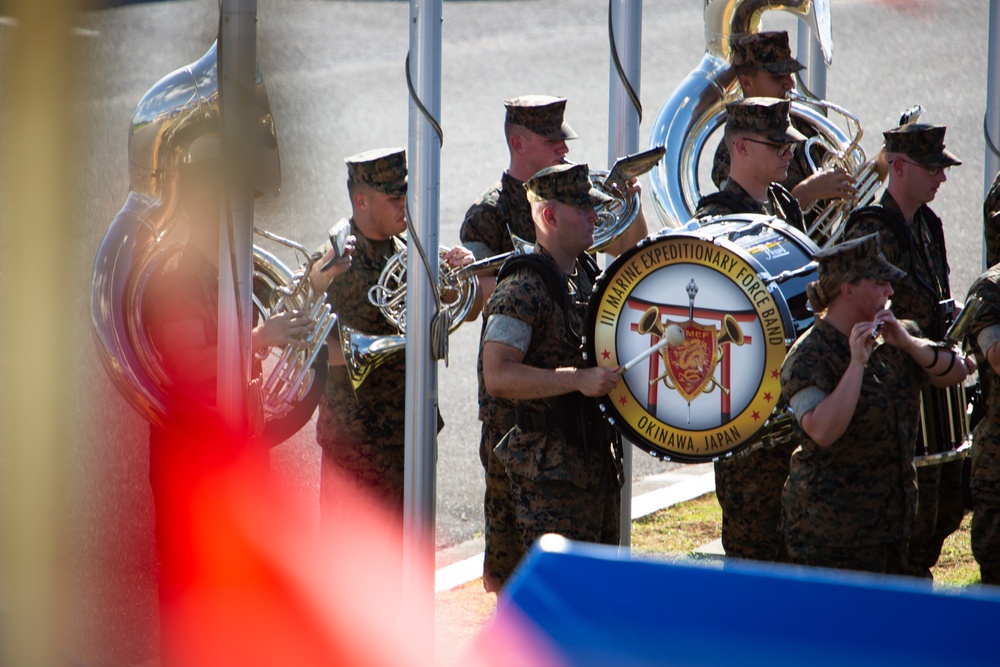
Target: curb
(470, 569)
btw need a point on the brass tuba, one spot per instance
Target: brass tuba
(145, 236)
(696, 108)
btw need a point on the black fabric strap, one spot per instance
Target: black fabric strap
(934, 361)
(950, 366)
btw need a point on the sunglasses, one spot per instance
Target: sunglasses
(781, 150)
(932, 171)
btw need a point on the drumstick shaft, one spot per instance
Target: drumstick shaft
(645, 354)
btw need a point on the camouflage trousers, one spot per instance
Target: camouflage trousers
(986, 539)
(878, 558)
(504, 548)
(349, 472)
(554, 506)
(749, 491)
(939, 514)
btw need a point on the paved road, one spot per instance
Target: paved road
(335, 75)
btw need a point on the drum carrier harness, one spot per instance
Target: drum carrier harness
(790, 212)
(577, 416)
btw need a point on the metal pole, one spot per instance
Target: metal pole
(810, 55)
(991, 123)
(623, 139)
(36, 207)
(237, 69)
(421, 370)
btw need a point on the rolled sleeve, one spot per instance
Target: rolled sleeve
(988, 337)
(805, 400)
(509, 331)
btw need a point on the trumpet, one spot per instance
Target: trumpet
(868, 174)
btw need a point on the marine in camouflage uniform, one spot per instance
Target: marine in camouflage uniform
(749, 485)
(917, 246)
(756, 120)
(850, 498)
(501, 211)
(361, 431)
(984, 334)
(563, 461)
(764, 66)
(991, 222)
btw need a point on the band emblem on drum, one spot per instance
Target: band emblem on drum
(692, 351)
(712, 381)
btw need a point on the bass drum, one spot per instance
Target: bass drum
(728, 295)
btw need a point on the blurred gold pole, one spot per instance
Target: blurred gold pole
(39, 233)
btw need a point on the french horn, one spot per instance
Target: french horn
(145, 235)
(696, 108)
(457, 287)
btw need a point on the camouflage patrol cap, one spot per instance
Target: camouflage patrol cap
(542, 114)
(861, 256)
(922, 143)
(568, 183)
(768, 51)
(383, 169)
(766, 116)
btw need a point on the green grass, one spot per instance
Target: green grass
(681, 529)
(956, 568)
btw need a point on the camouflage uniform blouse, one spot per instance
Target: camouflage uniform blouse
(742, 202)
(504, 205)
(984, 332)
(485, 233)
(915, 296)
(991, 221)
(522, 313)
(861, 490)
(375, 414)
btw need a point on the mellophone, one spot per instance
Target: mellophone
(701, 318)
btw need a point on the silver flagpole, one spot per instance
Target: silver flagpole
(991, 122)
(237, 85)
(809, 54)
(624, 114)
(423, 198)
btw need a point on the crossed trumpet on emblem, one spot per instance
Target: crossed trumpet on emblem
(692, 360)
(690, 351)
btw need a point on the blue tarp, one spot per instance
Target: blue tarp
(598, 608)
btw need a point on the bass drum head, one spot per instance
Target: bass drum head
(711, 389)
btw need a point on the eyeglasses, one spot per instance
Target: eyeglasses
(781, 150)
(931, 171)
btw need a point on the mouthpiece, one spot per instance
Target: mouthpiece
(878, 327)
